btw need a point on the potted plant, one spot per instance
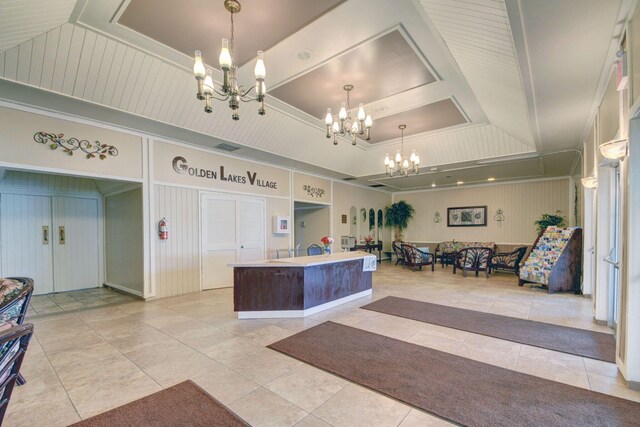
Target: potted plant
(397, 216)
(547, 220)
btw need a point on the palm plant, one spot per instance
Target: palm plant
(547, 220)
(397, 216)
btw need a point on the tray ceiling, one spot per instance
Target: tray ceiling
(472, 79)
(197, 24)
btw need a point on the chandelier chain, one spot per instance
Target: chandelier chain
(231, 45)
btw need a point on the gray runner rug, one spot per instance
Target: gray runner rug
(464, 391)
(581, 342)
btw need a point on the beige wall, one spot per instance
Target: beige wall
(345, 196)
(522, 204)
(317, 226)
(124, 240)
(18, 147)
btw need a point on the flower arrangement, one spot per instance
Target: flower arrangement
(327, 240)
(368, 239)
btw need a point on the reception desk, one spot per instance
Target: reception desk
(298, 287)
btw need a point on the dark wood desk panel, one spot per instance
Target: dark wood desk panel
(297, 287)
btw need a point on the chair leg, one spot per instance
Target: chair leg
(464, 273)
(20, 380)
(432, 267)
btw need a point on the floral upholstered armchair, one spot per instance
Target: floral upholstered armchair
(15, 294)
(472, 259)
(509, 261)
(14, 340)
(414, 257)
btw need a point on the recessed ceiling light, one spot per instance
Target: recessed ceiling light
(491, 179)
(433, 169)
(433, 185)
(460, 182)
(304, 55)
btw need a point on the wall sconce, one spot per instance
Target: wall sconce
(590, 182)
(499, 216)
(615, 149)
(436, 218)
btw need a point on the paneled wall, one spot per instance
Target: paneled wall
(124, 241)
(274, 241)
(48, 183)
(177, 260)
(522, 204)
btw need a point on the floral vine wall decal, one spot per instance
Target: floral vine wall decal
(91, 149)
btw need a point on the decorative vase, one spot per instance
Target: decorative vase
(327, 250)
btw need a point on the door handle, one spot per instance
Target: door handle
(45, 234)
(61, 237)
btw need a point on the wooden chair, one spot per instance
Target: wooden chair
(398, 251)
(413, 257)
(509, 261)
(472, 259)
(314, 249)
(15, 294)
(14, 340)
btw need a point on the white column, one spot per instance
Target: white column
(628, 351)
(603, 242)
(588, 244)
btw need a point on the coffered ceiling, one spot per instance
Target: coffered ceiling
(472, 79)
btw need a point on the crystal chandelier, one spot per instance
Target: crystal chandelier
(230, 89)
(347, 126)
(401, 164)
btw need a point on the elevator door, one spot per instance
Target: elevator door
(75, 246)
(53, 240)
(26, 239)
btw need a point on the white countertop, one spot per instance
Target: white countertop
(306, 261)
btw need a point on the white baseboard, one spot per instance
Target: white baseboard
(124, 289)
(282, 314)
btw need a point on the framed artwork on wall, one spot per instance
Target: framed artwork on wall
(468, 216)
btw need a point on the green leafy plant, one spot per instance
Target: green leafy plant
(397, 216)
(547, 220)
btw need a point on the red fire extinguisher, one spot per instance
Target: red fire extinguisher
(163, 229)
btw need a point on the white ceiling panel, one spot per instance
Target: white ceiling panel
(478, 35)
(22, 20)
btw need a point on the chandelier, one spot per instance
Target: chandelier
(401, 164)
(229, 90)
(345, 124)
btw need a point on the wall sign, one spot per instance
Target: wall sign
(180, 165)
(314, 191)
(311, 188)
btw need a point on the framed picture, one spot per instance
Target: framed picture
(344, 219)
(468, 216)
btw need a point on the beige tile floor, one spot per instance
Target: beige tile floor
(84, 362)
(76, 300)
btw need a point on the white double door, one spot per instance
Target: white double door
(233, 230)
(53, 240)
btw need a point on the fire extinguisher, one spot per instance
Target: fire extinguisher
(163, 229)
